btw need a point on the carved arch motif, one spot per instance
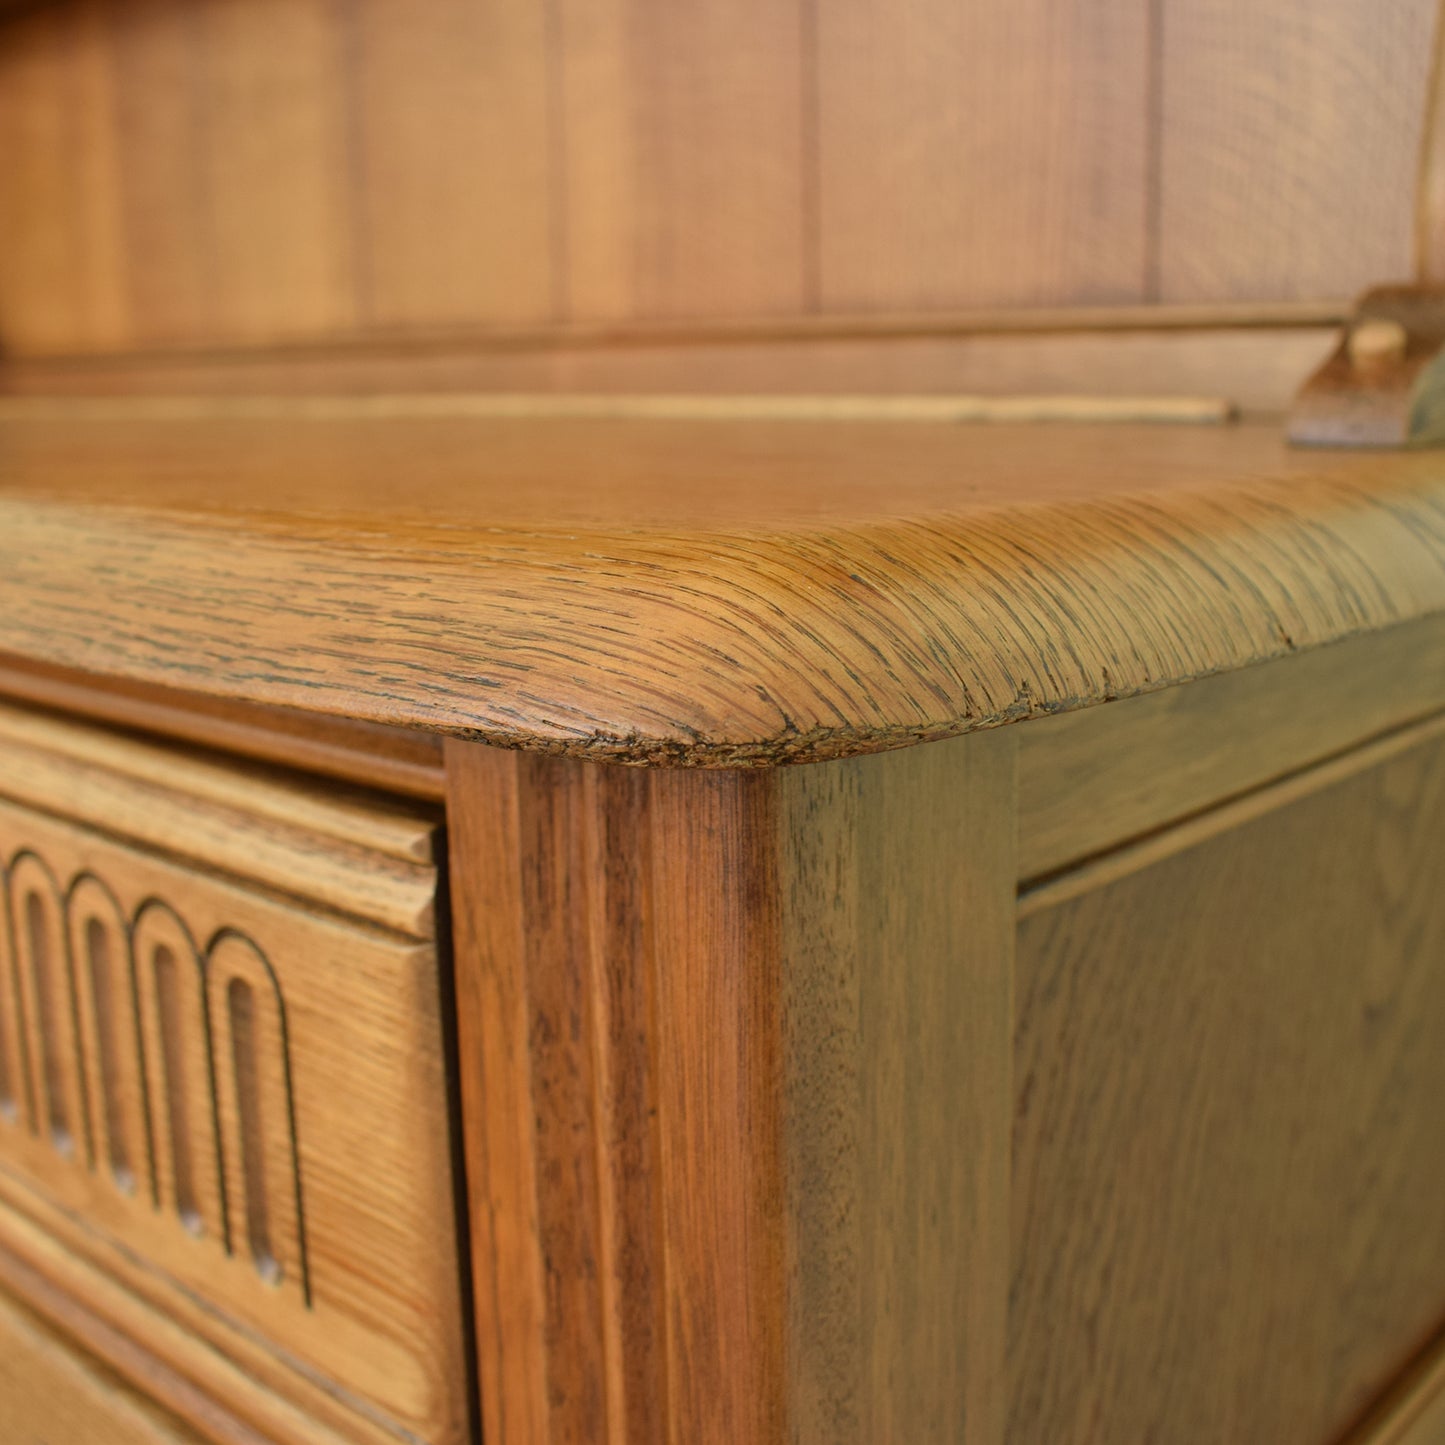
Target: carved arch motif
(159, 1065)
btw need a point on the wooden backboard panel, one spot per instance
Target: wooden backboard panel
(203, 173)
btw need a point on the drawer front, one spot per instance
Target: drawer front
(224, 1114)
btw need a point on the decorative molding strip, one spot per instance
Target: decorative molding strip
(326, 845)
(153, 1060)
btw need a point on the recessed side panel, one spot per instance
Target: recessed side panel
(1229, 1144)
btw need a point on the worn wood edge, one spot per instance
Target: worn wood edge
(372, 755)
(1093, 779)
(1144, 853)
(1182, 583)
(227, 817)
(1413, 1410)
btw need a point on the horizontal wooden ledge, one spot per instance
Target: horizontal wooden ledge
(624, 406)
(812, 327)
(712, 593)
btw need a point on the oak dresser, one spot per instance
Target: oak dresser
(683, 757)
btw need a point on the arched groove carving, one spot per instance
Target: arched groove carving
(176, 1037)
(256, 1109)
(16, 1101)
(110, 1042)
(159, 1064)
(47, 993)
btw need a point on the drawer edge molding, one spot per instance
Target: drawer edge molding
(365, 857)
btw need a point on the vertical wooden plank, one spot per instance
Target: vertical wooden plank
(975, 155)
(899, 926)
(719, 1087)
(1429, 217)
(735, 1060)
(94, 175)
(165, 198)
(277, 168)
(454, 133)
(61, 283)
(34, 236)
(682, 157)
(621, 957)
(498, 1116)
(1289, 146)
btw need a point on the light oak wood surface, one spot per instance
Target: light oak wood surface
(1288, 134)
(683, 165)
(1227, 1167)
(184, 174)
(714, 592)
(926, 107)
(351, 852)
(449, 175)
(735, 1061)
(408, 763)
(50, 1394)
(1094, 779)
(225, 1129)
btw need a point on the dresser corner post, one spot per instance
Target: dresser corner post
(735, 1051)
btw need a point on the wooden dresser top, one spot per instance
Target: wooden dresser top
(701, 592)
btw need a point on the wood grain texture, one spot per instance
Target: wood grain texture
(1289, 142)
(276, 155)
(1091, 780)
(734, 1065)
(682, 168)
(1227, 1172)
(346, 850)
(993, 153)
(62, 283)
(452, 202)
(1094, 873)
(179, 175)
(224, 1111)
(170, 274)
(696, 592)
(402, 762)
(53, 1395)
